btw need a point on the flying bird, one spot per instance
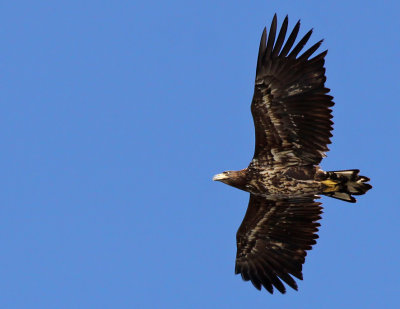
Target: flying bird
(292, 121)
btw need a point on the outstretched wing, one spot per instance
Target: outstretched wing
(272, 241)
(290, 105)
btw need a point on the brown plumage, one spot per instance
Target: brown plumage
(292, 120)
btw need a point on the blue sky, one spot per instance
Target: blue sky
(116, 115)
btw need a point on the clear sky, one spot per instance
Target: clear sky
(115, 115)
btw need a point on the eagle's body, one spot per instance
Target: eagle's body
(292, 120)
(280, 183)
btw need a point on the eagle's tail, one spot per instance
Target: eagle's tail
(343, 184)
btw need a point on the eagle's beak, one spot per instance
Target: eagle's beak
(220, 177)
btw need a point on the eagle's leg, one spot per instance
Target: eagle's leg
(330, 185)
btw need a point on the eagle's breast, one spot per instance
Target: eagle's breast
(282, 182)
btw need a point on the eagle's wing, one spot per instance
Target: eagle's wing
(290, 105)
(273, 238)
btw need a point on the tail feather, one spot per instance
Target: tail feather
(347, 183)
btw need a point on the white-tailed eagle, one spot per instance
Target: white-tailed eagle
(292, 120)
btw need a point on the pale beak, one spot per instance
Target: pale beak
(220, 177)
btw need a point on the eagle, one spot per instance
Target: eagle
(292, 114)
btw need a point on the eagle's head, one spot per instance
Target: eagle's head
(223, 177)
(233, 178)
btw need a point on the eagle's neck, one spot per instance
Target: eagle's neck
(238, 179)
